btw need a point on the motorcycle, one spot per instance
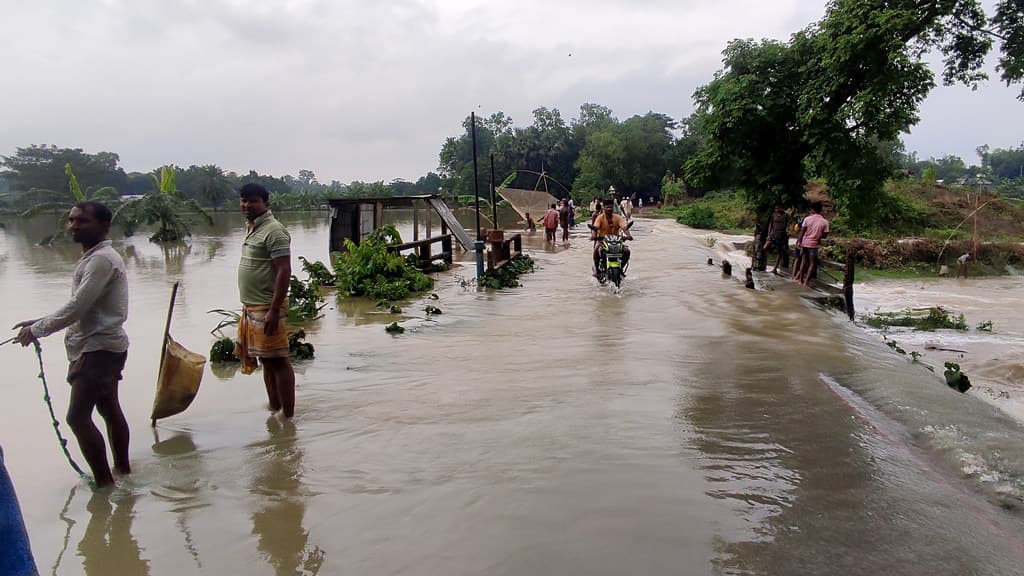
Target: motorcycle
(610, 265)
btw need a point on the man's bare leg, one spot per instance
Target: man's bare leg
(90, 441)
(812, 267)
(117, 430)
(280, 370)
(270, 382)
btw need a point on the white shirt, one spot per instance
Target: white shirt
(98, 307)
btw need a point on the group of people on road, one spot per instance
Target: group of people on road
(561, 213)
(811, 230)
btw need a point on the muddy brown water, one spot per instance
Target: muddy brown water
(683, 426)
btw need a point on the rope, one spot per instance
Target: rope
(49, 405)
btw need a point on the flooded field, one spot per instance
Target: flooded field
(683, 426)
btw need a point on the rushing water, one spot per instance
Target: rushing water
(683, 426)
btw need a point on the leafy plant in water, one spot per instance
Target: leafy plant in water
(297, 348)
(930, 319)
(710, 241)
(304, 300)
(223, 350)
(508, 275)
(394, 328)
(228, 318)
(165, 207)
(985, 326)
(369, 269)
(955, 378)
(318, 272)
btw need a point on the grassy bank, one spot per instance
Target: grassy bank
(723, 211)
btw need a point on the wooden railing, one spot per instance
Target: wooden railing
(424, 248)
(502, 249)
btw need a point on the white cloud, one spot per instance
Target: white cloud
(369, 90)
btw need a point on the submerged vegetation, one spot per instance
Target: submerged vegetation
(508, 275)
(927, 319)
(955, 378)
(165, 207)
(369, 269)
(304, 300)
(318, 272)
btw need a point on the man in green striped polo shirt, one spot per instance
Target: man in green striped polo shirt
(264, 272)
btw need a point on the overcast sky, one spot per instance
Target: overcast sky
(369, 90)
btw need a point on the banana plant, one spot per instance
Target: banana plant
(165, 207)
(62, 202)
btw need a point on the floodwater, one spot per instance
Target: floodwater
(683, 426)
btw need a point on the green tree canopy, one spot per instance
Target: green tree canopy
(42, 167)
(821, 103)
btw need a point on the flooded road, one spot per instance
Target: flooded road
(684, 426)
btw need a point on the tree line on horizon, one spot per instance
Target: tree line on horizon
(829, 104)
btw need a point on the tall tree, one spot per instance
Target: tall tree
(822, 102)
(212, 186)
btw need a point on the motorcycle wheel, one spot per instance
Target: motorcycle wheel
(615, 275)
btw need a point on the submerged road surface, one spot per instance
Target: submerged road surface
(683, 426)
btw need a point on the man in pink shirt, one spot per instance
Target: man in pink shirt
(814, 230)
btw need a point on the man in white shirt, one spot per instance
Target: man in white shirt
(96, 342)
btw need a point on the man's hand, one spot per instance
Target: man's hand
(25, 335)
(271, 320)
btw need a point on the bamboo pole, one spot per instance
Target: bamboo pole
(167, 335)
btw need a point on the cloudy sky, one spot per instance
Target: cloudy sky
(368, 90)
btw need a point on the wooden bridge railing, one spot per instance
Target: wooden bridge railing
(502, 249)
(424, 248)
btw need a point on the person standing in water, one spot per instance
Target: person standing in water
(264, 273)
(550, 223)
(814, 229)
(96, 343)
(778, 237)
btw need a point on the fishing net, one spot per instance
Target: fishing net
(180, 376)
(536, 202)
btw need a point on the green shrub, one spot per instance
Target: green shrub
(956, 379)
(299, 349)
(369, 269)
(698, 215)
(304, 300)
(508, 275)
(223, 350)
(318, 272)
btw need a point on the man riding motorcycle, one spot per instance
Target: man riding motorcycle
(608, 223)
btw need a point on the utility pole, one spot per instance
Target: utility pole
(478, 246)
(494, 205)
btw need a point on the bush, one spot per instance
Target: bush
(369, 269)
(698, 215)
(304, 300)
(299, 349)
(508, 275)
(223, 350)
(318, 272)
